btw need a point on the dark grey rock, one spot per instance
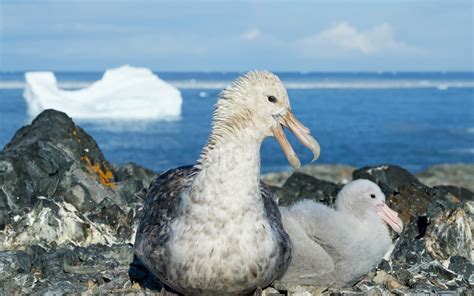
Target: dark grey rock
(389, 177)
(461, 265)
(461, 193)
(52, 168)
(12, 263)
(300, 186)
(41, 154)
(449, 234)
(71, 212)
(65, 270)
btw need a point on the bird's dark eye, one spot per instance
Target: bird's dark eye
(372, 195)
(272, 99)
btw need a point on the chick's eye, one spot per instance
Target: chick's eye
(372, 195)
(271, 99)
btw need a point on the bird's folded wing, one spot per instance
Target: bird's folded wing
(274, 217)
(162, 203)
(332, 230)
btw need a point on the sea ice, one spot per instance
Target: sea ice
(122, 93)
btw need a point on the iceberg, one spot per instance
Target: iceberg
(122, 93)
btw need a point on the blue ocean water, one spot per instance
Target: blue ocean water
(411, 119)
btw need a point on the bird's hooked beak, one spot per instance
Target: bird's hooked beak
(390, 217)
(301, 132)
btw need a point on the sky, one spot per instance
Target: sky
(377, 35)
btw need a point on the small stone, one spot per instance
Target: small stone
(403, 276)
(461, 265)
(90, 284)
(301, 291)
(375, 291)
(5, 167)
(392, 283)
(400, 292)
(380, 277)
(385, 266)
(136, 286)
(270, 292)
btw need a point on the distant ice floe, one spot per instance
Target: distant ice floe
(122, 93)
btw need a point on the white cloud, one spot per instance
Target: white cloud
(344, 38)
(251, 34)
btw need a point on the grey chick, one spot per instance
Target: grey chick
(334, 247)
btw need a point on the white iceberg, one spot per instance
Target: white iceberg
(122, 93)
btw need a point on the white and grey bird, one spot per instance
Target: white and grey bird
(335, 247)
(214, 228)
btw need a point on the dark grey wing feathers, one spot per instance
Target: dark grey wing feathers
(160, 209)
(274, 217)
(162, 200)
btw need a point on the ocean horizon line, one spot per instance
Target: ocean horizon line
(301, 72)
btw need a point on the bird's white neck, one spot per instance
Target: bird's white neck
(229, 167)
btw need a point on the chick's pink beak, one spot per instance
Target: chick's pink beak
(390, 217)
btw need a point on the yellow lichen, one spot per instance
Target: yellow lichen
(105, 175)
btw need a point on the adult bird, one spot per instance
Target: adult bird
(335, 247)
(214, 228)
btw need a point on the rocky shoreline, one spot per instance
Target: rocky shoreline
(68, 217)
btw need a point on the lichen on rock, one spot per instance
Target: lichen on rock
(57, 187)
